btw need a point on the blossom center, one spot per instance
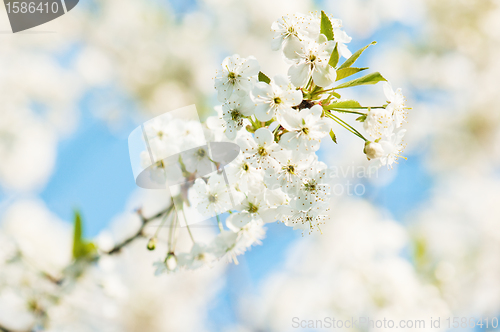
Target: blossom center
(277, 100)
(212, 198)
(310, 186)
(235, 115)
(262, 151)
(252, 208)
(231, 76)
(305, 130)
(160, 164)
(290, 169)
(245, 167)
(201, 153)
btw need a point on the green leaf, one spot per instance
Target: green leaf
(335, 94)
(362, 118)
(334, 58)
(89, 248)
(344, 104)
(77, 235)
(326, 26)
(264, 78)
(349, 62)
(346, 72)
(332, 135)
(372, 78)
(81, 248)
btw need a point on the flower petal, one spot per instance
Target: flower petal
(324, 75)
(264, 137)
(299, 74)
(293, 49)
(292, 97)
(264, 112)
(251, 67)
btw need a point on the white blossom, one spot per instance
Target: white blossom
(234, 112)
(310, 219)
(237, 75)
(189, 134)
(198, 160)
(379, 122)
(389, 148)
(243, 175)
(213, 197)
(198, 257)
(275, 98)
(310, 60)
(341, 38)
(297, 26)
(315, 188)
(396, 104)
(250, 234)
(225, 246)
(260, 151)
(253, 208)
(291, 171)
(373, 150)
(305, 130)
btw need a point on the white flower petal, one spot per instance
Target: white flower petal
(264, 137)
(324, 75)
(299, 74)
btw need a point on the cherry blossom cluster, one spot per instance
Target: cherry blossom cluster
(279, 123)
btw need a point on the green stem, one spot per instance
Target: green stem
(276, 129)
(176, 231)
(353, 108)
(308, 85)
(170, 236)
(221, 228)
(323, 91)
(161, 224)
(346, 111)
(255, 124)
(345, 125)
(187, 227)
(190, 234)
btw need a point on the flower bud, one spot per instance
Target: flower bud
(373, 150)
(152, 243)
(171, 261)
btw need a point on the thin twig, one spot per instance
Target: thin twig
(221, 228)
(140, 232)
(345, 125)
(116, 249)
(346, 111)
(187, 227)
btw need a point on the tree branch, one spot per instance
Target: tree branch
(115, 250)
(140, 232)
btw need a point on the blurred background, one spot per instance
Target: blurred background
(422, 240)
